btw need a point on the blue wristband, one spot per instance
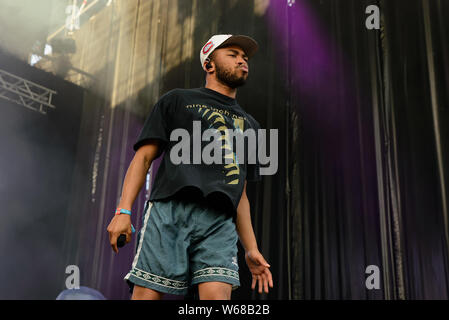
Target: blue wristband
(128, 213)
(125, 211)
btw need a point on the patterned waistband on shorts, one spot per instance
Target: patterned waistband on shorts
(149, 277)
(216, 271)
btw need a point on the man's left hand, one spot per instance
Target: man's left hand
(259, 269)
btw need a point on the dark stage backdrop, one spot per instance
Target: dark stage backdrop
(367, 156)
(363, 138)
(37, 161)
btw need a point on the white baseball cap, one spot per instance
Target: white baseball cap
(249, 45)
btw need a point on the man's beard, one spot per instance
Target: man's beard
(231, 80)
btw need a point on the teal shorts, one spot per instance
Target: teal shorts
(183, 243)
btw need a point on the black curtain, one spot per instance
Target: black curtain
(367, 160)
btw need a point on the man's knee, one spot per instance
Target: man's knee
(214, 291)
(141, 293)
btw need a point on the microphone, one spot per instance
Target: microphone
(121, 241)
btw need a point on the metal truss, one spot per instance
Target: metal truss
(25, 92)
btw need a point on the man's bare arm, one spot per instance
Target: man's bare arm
(257, 264)
(136, 174)
(134, 180)
(244, 225)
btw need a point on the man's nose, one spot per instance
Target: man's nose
(242, 61)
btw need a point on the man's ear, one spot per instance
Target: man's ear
(207, 65)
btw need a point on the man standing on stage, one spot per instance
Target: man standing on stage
(196, 211)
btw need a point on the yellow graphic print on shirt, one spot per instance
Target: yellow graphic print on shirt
(217, 121)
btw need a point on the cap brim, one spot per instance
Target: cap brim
(248, 44)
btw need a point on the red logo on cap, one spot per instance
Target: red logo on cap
(207, 47)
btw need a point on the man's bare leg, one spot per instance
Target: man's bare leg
(214, 290)
(141, 293)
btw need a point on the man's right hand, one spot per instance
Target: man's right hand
(134, 179)
(120, 224)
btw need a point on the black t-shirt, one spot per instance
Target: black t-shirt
(223, 183)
